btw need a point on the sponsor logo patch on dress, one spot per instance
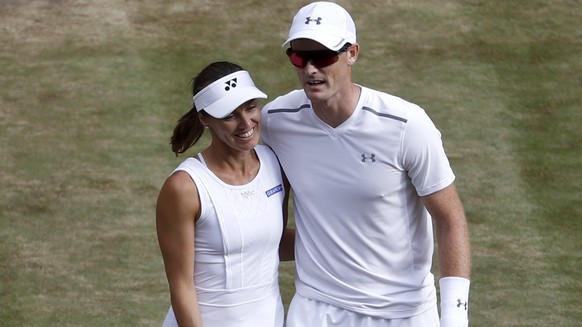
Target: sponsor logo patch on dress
(274, 190)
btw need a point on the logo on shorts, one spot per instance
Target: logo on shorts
(274, 190)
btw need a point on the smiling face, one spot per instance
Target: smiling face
(238, 131)
(322, 84)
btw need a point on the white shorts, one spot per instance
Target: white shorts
(304, 312)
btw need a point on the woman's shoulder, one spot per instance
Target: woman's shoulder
(264, 150)
(268, 158)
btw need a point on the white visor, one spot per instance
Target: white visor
(223, 96)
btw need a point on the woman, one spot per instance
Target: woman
(219, 215)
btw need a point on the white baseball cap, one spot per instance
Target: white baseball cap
(324, 22)
(223, 96)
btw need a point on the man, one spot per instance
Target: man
(368, 171)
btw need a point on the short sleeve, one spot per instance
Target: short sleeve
(423, 154)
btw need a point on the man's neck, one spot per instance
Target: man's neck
(337, 110)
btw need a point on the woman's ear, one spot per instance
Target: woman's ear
(201, 117)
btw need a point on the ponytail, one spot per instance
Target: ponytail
(187, 132)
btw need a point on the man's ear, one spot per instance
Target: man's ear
(352, 53)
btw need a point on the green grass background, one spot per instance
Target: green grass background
(90, 91)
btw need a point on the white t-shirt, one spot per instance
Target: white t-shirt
(237, 246)
(364, 239)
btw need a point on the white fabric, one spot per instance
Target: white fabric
(454, 301)
(364, 239)
(224, 95)
(304, 312)
(324, 22)
(236, 246)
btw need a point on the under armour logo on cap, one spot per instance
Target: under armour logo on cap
(324, 22)
(309, 20)
(229, 84)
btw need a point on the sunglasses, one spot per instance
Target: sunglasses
(318, 58)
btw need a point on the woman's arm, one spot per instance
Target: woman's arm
(177, 210)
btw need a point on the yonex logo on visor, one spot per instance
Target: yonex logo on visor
(224, 95)
(229, 84)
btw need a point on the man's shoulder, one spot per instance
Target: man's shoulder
(386, 99)
(293, 100)
(386, 104)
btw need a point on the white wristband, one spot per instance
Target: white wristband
(454, 301)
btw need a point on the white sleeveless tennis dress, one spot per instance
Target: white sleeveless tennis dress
(236, 246)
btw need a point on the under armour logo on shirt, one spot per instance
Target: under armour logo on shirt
(230, 84)
(309, 20)
(371, 157)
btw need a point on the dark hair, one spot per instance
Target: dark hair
(189, 128)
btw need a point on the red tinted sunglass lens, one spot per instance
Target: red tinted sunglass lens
(319, 59)
(296, 60)
(324, 59)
